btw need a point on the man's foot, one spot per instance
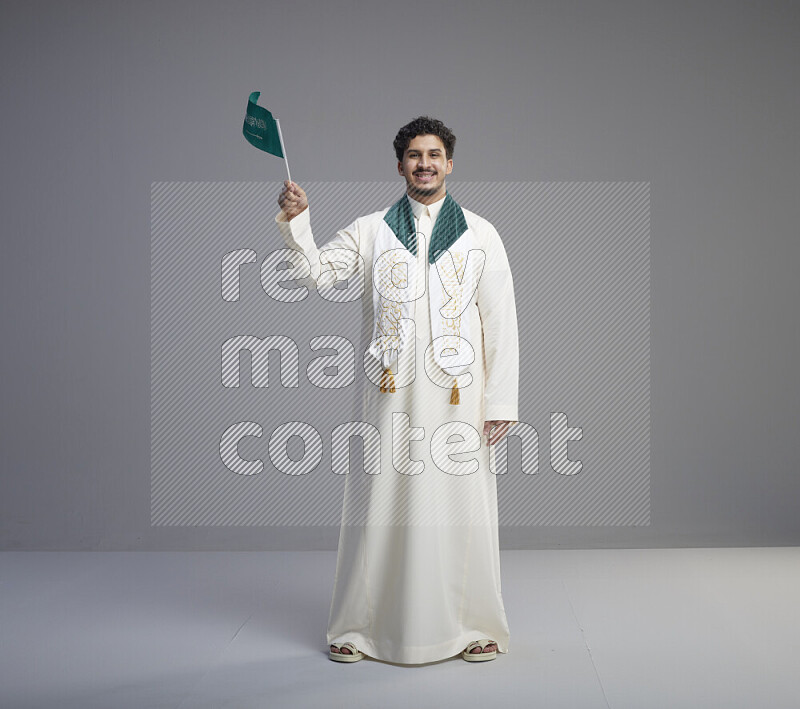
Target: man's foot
(480, 650)
(491, 647)
(344, 652)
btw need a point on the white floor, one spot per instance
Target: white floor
(630, 629)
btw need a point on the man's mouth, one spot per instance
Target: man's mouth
(424, 176)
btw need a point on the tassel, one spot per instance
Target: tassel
(387, 382)
(455, 397)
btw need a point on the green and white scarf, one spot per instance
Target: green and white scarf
(456, 264)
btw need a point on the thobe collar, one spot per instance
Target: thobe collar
(446, 216)
(419, 209)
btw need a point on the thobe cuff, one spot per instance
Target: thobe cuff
(296, 232)
(499, 412)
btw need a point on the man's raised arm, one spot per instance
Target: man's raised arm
(294, 224)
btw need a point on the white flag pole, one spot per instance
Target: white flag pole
(283, 149)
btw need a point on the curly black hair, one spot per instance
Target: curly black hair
(424, 125)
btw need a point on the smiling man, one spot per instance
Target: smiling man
(418, 567)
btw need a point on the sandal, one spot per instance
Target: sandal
(341, 657)
(479, 656)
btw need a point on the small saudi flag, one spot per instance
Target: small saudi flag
(263, 131)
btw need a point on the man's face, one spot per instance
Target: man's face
(425, 166)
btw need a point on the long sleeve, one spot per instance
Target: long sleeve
(498, 314)
(297, 235)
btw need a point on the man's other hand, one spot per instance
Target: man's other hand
(500, 430)
(292, 200)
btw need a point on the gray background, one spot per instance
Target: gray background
(101, 99)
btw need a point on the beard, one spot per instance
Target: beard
(423, 190)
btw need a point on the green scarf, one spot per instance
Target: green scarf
(450, 225)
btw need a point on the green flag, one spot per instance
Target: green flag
(261, 129)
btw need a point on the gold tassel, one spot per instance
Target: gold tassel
(387, 382)
(455, 397)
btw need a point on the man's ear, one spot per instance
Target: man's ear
(400, 168)
(449, 166)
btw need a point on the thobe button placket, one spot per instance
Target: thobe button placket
(425, 227)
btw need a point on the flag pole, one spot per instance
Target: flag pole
(283, 149)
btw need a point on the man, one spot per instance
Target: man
(418, 567)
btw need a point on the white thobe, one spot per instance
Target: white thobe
(418, 564)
